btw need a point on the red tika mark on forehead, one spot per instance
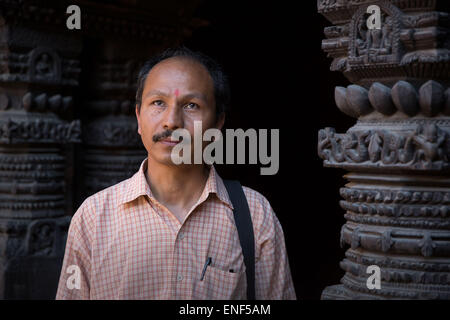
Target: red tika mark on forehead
(177, 92)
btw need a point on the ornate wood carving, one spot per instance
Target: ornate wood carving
(397, 201)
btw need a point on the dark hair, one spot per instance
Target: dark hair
(221, 86)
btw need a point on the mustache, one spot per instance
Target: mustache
(162, 135)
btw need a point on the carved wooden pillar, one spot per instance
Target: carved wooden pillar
(39, 71)
(397, 200)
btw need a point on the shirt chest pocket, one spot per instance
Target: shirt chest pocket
(219, 284)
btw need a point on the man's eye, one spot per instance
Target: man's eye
(191, 106)
(157, 103)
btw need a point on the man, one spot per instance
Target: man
(168, 232)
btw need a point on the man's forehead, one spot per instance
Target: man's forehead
(181, 65)
(176, 73)
(176, 92)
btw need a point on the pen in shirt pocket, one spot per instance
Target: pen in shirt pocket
(207, 263)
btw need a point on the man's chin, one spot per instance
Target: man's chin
(164, 158)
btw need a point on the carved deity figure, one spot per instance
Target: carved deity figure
(44, 66)
(374, 42)
(391, 144)
(361, 38)
(374, 39)
(355, 146)
(327, 140)
(386, 41)
(429, 144)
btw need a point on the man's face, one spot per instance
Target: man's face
(177, 92)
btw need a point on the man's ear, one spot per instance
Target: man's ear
(137, 117)
(220, 121)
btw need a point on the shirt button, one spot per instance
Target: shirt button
(179, 277)
(181, 236)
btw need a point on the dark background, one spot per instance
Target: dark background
(280, 78)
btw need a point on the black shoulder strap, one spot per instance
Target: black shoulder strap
(244, 227)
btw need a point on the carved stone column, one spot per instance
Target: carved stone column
(38, 72)
(397, 199)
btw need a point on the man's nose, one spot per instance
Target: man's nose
(173, 118)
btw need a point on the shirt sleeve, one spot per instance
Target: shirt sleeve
(76, 268)
(273, 278)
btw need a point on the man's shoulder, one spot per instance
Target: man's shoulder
(264, 219)
(255, 198)
(106, 198)
(113, 191)
(259, 206)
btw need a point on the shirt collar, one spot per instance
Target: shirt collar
(214, 184)
(137, 186)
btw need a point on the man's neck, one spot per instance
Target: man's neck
(176, 187)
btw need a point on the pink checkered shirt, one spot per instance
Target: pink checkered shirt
(129, 246)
